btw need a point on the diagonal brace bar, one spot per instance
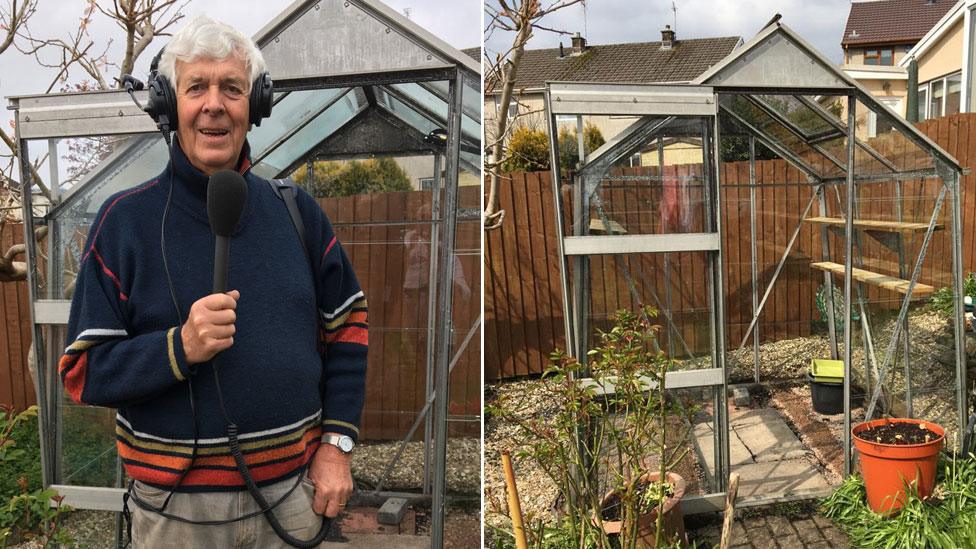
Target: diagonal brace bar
(779, 267)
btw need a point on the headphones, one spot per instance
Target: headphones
(161, 105)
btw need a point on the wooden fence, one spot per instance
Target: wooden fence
(523, 302)
(387, 238)
(16, 387)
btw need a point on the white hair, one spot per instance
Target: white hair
(204, 37)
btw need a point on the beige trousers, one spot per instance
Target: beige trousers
(151, 531)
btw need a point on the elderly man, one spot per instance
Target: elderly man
(291, 335)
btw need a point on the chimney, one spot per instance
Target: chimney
(667, 38)
(579, 44)
(561, 54)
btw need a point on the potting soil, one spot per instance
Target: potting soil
(899, 434)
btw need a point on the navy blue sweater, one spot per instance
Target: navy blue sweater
(298, 362)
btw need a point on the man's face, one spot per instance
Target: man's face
(212, 105)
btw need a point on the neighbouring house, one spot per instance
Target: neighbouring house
(944, 57)
(669, 60)
(877, 41)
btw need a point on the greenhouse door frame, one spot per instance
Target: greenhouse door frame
(660, 105)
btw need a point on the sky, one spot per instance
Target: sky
(820, 22)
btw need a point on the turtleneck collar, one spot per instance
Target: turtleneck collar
(190, 184)
(193, 179)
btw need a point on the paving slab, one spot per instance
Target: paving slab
(738, 453)
(770, 440)
(782, 478)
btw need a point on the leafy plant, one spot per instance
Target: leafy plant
(948, 519)
(611, 406)
(569, 144)
(528, 150)
(331, 178)
(27, 512)
(942, 298)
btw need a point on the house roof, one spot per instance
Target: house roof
(635, 63)
(892, 21)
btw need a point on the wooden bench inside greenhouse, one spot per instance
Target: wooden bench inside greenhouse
(883, 281)
(872, 225)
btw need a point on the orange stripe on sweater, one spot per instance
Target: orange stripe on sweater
(74, 380)
(208, 477)
(349, 334)
(173, 462)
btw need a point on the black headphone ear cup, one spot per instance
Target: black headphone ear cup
(262, 94)
(162, 102)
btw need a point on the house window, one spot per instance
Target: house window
(940, 97)
(881, 123)
(882, 56)
(426, 183)
(512, 107)
(953, 93)
(923, 101)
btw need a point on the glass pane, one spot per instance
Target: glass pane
(935, 103)
(800, 114)
(651, 199)
(744, 111)
(887, 57)
(923, 102)
(470, 127)
(954, 84)
(307, 138)
(674, 284)
(288, 114)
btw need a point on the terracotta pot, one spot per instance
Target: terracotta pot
(674, 518)
(888, 468)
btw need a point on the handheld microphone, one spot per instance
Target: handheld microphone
(226, 196)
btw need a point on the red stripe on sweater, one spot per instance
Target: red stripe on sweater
(112, 205)
(349, 334)
(107, 271)
(74, 380)
(327, 249)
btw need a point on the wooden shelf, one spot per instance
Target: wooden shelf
(869, 225)
(597, 227)
(884, 281)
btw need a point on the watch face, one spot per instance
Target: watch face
(345, 444)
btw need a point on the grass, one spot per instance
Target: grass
(947, 520)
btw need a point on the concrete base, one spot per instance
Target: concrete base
(764, 451)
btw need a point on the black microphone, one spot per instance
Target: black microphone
(226, 196)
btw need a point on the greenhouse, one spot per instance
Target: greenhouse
(770, 213)
(393, 91)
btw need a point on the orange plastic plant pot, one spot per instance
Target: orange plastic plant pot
(889, 468)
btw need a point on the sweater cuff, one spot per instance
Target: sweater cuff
(175, 356)
(341, 427)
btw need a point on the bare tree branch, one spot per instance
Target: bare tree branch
(520, 17)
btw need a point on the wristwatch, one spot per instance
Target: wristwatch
(342, 442)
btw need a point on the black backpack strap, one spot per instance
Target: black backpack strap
(286, 190)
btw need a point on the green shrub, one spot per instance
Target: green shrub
(334, 178)
(942, 298)
(528, 151)
(26, 512)
(569, 144)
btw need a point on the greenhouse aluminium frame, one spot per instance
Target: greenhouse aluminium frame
(403, 91)
(777, 62)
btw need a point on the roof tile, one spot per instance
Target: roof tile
(892, 21)
(635, 62)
